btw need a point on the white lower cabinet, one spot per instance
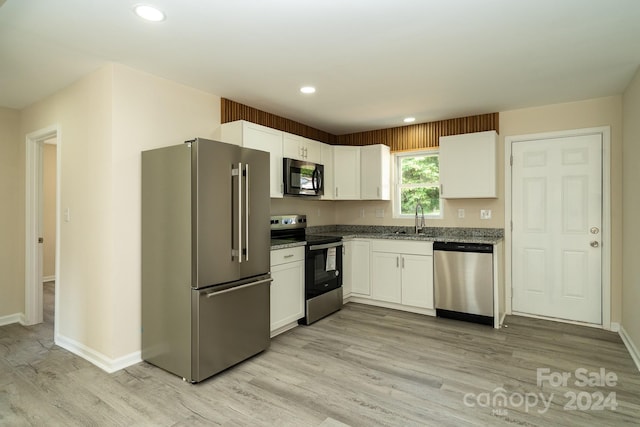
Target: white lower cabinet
(402, 273)
(287, 288)
(355, 267)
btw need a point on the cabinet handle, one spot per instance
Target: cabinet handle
(397, 262)
(402, 262)
(288, 256)
(336, 191)
(441, 188)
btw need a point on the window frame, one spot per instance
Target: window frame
(397, 186)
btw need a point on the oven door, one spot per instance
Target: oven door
(303, 178)
(323, 269)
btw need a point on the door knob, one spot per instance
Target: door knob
(594, 230)
(594, 244)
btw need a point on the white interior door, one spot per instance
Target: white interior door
(557, 224)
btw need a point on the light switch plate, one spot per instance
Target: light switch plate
(485, 214)
(379, 213)
(460, 213)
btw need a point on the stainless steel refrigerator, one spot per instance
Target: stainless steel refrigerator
(205, 256)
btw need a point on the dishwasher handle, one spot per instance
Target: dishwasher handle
(483, 248)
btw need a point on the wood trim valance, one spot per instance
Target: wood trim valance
(230, 111)
(403, 138)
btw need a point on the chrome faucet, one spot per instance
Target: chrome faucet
(421, 225)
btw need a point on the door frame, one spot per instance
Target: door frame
(605, 132)
(33, 221)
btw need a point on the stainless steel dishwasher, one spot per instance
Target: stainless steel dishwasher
(463, 280)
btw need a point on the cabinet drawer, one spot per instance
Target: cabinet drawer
(282, 256)
(402, 246)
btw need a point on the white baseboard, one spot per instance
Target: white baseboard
(48, 279)
(12, 318)
(633, 350)
(394, 306)
(284, 328)
(100, 360)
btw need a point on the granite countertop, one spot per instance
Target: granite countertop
(285, 243)
(489, 236)
(416, 237)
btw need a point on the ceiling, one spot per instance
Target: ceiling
(373, 62)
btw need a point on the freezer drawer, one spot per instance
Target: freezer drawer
(463, 282)
(231, 325)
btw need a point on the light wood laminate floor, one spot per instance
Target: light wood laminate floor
(363, 366)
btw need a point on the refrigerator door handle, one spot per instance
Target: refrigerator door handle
(238, 252)
(237, 288)
(246, 215)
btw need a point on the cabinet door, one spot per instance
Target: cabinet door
(468, 165)
(346, 172)
(313, 150)
(301, 148)
(269, 140)
(287, 294)
(385, 280)
(417, 280)
(292, 146)
(375, 172)
(356, 267)
(326, 159)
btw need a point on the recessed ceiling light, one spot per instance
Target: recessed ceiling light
(149, 13)
(410, 120)
(307, 89)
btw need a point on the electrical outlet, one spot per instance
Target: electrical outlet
(460, 213)
(362, 212)
(485, 214)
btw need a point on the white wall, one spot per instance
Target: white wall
(83, 113)
(106, 119)
(631, 212)
(11, 217)
(318, 212)
(148, 112)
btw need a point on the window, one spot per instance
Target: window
(417, 181)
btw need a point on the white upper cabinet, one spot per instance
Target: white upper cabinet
(468, 165)
(375, 172)
(326, 159)
(258, 137)
(300, 148)
(346, 172)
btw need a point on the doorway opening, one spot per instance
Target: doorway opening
(42, 245)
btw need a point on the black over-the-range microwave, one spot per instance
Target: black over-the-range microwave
(302, 178)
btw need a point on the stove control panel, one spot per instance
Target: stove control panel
(288, 221)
